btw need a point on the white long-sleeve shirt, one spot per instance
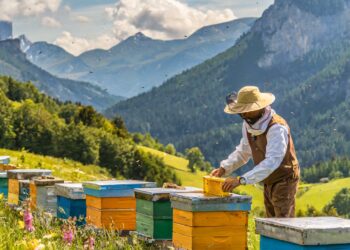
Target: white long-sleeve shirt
(276, 148)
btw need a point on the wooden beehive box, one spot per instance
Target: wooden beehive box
(3, 183)
(42, 193)
(309, 233)
(15, 193)
(71, 201)
(213, 186)
(210, 222)
(154, 215)
(112, 203)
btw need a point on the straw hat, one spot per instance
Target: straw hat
(249, 99)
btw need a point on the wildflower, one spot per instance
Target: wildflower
(40, 247)
(28, 220)
(20, 224)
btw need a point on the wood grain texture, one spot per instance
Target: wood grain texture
(211, 219)
(111, 202)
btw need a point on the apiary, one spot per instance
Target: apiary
(71, 201)
(304, 233)
(154, 215)
(112, 204)
(210, 222)
(18, 183)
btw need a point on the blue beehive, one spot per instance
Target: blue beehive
(71, 201)
(309, 233)
(4, 159)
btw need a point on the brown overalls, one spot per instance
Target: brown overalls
(280, 186)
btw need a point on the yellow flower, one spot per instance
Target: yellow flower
(20, 224)
(33, 244)
(1, 196)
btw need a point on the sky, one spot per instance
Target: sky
(81, 25)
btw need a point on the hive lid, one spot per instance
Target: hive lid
(202, 202)
(4, 159)
(27, 173)
(3, 175)
(156, 194)
(117, 184)
(307, 230)
(70, 190)
(46, 180)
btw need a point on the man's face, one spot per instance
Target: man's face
(252, 116)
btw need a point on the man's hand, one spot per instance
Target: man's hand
(218, 172)
(230, 184)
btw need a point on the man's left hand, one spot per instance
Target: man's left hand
(230, 184)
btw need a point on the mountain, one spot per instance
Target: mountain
(139, 63)
(299, 50)
(13, 62)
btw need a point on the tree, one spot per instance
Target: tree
(195, 158)
(341, 202)
(170, 149)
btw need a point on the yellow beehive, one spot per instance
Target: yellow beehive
(13, 192)
(213, 186)
(210, 230)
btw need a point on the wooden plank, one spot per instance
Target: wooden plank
(32, 189)
(118, 219)
(13, 186)
(111, 202)
(209, 242)
(158, 209)
(5, 167)
(267, 243)
(159, 229)
(46, 180)
(239, 231)
(212, 219)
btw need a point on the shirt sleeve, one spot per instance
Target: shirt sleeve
(276, 148)
(239, 157)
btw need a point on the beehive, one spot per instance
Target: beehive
(154, 215)
(4, 160)
(71, 201)
(210, 222)
(316, 233)
(213, 186)
(42, 193)
(112, 203)
(18, 188)
(3, 184)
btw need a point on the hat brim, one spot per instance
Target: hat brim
(266, 99)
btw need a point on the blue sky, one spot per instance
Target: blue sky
(80, 25)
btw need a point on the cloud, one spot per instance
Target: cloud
(82, 19)
(50, 22)
(162, 19)
(12, 8)
(77, 45)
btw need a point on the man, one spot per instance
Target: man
(267, 139)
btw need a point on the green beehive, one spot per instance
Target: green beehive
(154, 215)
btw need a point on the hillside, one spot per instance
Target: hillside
(139, 63)
(37, 123)
(13, 63)
(308, 73)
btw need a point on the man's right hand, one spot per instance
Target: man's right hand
(218, 172)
